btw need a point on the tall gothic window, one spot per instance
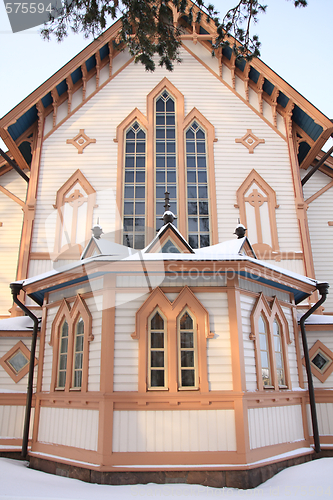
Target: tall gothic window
(134, 187)
(166, 159)
(166, 151)
(197, 187)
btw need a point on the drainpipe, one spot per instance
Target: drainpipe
(16, 288)
(323, 290)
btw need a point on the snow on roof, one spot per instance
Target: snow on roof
(108, 247)
(18, 323)
(229, 247)
(317, 319)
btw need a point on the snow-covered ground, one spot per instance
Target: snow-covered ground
(17, 482)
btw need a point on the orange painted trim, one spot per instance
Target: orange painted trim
(270, 314)
(12, 196)
(16, 376)
(72, 315)
(13, 148)
(255, 178)
(319, 346)
(319, 193)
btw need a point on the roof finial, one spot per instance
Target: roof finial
(168, 216)
(97, 230)
(240, 230)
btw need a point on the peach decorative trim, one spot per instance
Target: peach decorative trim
(262, 307)
(315, 349)
(171, 311)
(77, 198)
(79, 309)
(14, 150)
(81, 141)
(4, 361)
(319, 193)
(250, 141)
(12, 196)
(256, 200)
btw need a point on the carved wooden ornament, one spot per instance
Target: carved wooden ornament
(81, 141)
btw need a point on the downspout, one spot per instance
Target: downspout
(323, 290)
(16, 288)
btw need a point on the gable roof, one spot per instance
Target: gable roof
(315, 126)
(171, 233)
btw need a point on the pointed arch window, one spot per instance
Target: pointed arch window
(70, 337)
(187, 351)
(134, 208)
(166, 154)
(270, 333)
(75, 202)
(180, 160)
(157, 352)
(197, 187)
(63, 351)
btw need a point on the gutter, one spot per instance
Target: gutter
(323, 290)
(16, 289)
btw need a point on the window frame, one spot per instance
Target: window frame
(270, 313)
(195, 387)
(185, 300)
(16, 376)
(165, 387)
(72, 315)
(182, 123)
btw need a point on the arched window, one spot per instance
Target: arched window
(279, 358)
(270, 333)
(157, 357)
(134, 187)
(70, 337)
(172, 353)
(187, 352)
(166, 157)
(264, 352)
(63, 350)
(197, 187)
(179, 156)
(78, 353)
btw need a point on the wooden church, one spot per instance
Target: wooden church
(161, 336)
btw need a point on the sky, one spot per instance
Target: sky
(309, 480)
(296, 43)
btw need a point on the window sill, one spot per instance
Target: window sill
(188, 388)
(157, 388)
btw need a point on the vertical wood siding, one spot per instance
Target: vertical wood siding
(94, 305)
(6, 382)
(218, 348)
(275, 425)
(11, 216)
(247, 304)
(100, 116)
(187, 430)
(69, 427)
(12, 421)
(320, 212)
(325, 418)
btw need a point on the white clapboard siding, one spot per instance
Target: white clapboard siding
(69, 427)
(326, 337)
(12, 421)
(93, 285)
(324, 417)
(275, 425)
(247, 304)
(101, 115)
(251, 286)
(10, 235)
(320, 212)
(187, 430)
(126, 350)
(219, 348)
(6, 381)
(291, 349)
